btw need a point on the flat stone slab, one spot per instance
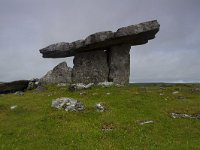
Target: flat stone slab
(131, 35)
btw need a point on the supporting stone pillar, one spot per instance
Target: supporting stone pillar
(119, 64)
(90, 67)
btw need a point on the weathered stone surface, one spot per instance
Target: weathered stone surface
(99, 37)
(60, 74)
(132, 35)
(90, 67)
(11, 87)
(77, 44)
(119, 64)
(33, 84)
(190, 116)
(19, 93)
(68, 104)
(80, 86)
(100, 107)
(106, 84)
(103, 56)
(136, 29)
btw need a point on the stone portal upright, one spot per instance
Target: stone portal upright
(103, 56)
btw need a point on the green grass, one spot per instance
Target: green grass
(35, 125)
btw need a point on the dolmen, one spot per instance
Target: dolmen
(103, 56)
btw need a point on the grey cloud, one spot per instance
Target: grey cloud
(28, 25)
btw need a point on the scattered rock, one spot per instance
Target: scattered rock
(195, 90)
(161, 94)
(146, 122)
(60, 74)
(181, 98)
(175, 92)
(107, 93)
(13, 107)
(19, 93)
(105, 84)
(80, 86)
(68, 104)
(61, 84)
(190, 116)
(83, 93)
(100, 107)
(119, 85)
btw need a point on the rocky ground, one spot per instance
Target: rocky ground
(137, 116)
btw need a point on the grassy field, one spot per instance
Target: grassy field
(35, 125)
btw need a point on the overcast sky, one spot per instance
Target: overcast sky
(29, 25)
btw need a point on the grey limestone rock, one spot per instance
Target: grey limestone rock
(105, 84)
(33, 84)
(90, 67)
(60, 74)
(133, 35)
(102, 56)
(80, 86)
(99, 37)
(137, 29)
(77, 44)
(68, 104)
(19, 93)
(119, 64)
(190, 116)
(100, 107)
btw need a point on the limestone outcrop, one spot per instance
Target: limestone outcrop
(11, 87)
(60, 74)
(103, 56)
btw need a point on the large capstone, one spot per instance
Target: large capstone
(134, 35)
(60, 74)
(119, 64)
(90, 67)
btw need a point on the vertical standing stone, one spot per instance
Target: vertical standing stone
(119, 64)
(90, 67)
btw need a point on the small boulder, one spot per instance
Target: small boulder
(175, 92)
(19, 93)
(13, 107)
(68, 104)
(100, 107)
